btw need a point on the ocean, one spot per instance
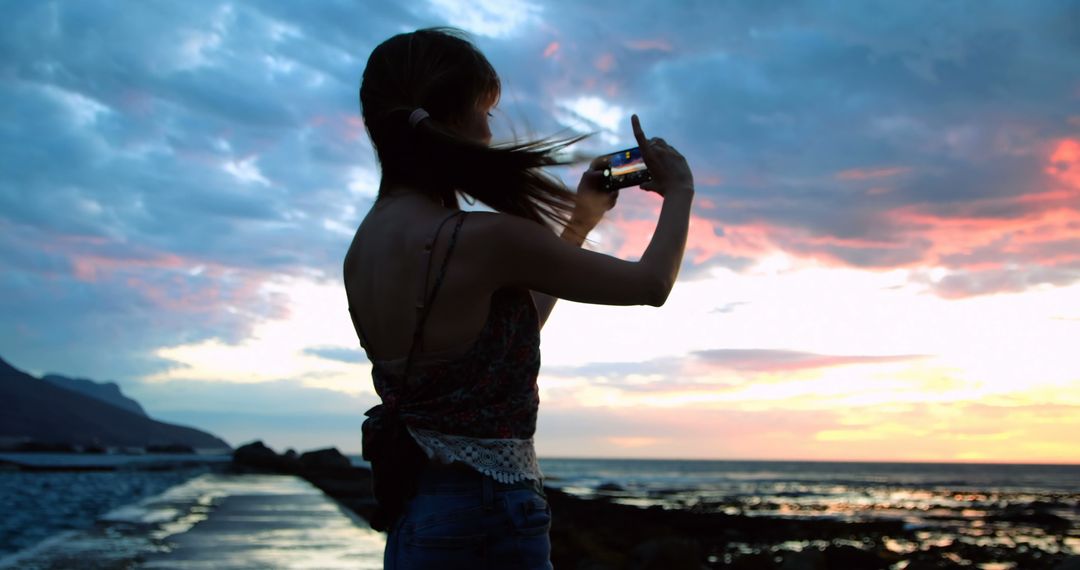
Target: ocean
(111, 518)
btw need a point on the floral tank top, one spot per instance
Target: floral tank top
(478, 408)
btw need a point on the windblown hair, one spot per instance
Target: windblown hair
(440, 70)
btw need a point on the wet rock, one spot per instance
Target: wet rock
(1070, 563)
(932, 560)
(256, 455)
(45, 447)
(667, 553)
(809, 559)
(1045, 520)
(759, 561)
(9, 465)
(854, 558)
(323, 459)
(170, 448)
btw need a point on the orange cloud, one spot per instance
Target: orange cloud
(1065, 163)
(926, 432)
(992, 242)
(956, 432)
(551, 49)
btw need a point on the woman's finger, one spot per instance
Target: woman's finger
(638, 133)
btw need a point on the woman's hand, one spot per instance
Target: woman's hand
(592, 200)
(668, 168)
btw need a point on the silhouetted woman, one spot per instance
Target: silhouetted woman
(448, 304)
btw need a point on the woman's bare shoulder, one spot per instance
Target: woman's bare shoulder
(504, 228)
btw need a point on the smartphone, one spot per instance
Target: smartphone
(625, 168)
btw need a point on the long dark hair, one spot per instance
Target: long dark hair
(440, 70)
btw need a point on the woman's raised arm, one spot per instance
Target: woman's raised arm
(526, 254)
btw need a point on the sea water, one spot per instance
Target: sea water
(984, 505)
(105, 516)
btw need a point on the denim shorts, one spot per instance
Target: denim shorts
(460, 518)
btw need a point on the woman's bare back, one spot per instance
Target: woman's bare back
(384, 272)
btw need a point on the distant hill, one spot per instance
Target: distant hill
(107, 392)
(45, 411)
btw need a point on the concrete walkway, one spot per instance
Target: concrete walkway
(271, 521)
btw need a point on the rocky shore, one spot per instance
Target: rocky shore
(598, 534)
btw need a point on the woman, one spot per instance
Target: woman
(449, 311)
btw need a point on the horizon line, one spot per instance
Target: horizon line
(880, 461)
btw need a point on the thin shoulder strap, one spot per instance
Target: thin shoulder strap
(424, 301)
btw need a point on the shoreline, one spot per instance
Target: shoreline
(611, 527)
(600, 533)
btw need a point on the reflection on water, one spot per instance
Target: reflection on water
(973, 512)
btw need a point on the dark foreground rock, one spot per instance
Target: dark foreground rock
(590, 534)
(605, 535)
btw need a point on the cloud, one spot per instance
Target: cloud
(352, 355)
(588, 114)
(870, 173)
(166, 172)
(493, 18)
(917, 431)
(729, 307)
(726, 375)
(282, 413)
(769, 360)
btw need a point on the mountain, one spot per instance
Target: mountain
(107, 392)
(42, 410)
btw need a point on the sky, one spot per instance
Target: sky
(884, 253)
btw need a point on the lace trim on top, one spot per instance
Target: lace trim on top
(506, 460)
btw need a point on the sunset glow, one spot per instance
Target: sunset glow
(883, 261)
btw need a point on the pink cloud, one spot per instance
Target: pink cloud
(605, 62)
(551, 49)
(88, 267)
(346, 127)
(768, 360)
(170, 282)
(1000, 243)
(137, 102)
(688, 432)
(868, 173)
(705, 238)
(649, 45)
